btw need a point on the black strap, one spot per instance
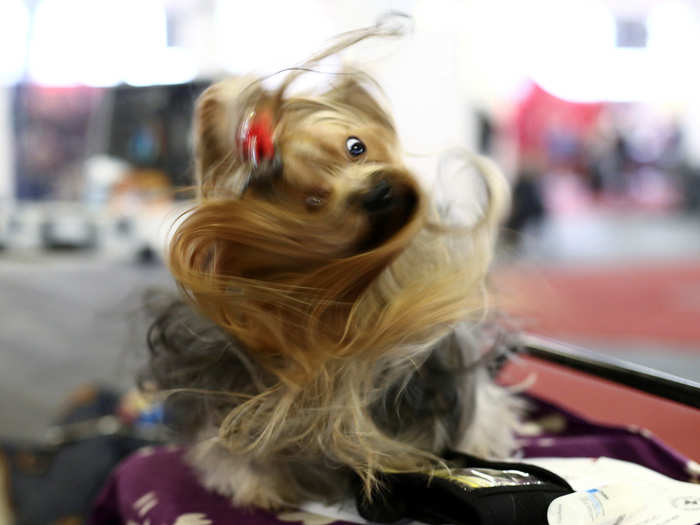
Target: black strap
(440, 499)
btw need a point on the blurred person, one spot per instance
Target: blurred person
(527, 209)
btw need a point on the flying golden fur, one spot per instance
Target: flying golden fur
(334, 333)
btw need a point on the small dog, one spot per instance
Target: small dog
(329, 323)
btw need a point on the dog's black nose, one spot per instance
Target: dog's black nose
(379, 197)
(389, 204)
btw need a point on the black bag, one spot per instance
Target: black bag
(473, 492)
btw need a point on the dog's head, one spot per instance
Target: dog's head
(312, 240)
(303, 202)
(330, 162)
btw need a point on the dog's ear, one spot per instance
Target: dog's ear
(353, 91)
(218, 113)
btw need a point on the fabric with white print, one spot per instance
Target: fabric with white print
(157, 487)
(193, 518)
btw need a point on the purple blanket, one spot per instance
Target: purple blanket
(156, 487)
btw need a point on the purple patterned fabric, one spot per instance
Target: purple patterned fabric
(156, 487)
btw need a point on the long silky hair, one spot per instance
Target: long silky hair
(307, 320)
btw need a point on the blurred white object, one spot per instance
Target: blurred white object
(609, 505)
(14, 27)
(67, 226)
(303, 26)
(101, 174)
(58, 54)
(671, 503)
(23, 224)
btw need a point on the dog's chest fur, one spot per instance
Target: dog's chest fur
(441, 403)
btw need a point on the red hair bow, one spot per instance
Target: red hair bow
(256, 138)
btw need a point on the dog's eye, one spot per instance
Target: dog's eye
(355, 146)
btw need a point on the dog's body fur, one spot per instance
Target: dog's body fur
(335, 330)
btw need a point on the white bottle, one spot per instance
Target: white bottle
(607, 505)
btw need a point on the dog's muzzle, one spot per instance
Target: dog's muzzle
(390, 202)
(379, 197)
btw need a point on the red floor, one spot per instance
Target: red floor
(654, 302)
(657, 303)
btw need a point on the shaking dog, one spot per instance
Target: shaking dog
(328, 330)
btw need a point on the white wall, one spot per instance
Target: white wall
(420, 72)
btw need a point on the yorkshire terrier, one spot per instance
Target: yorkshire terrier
(330, 316)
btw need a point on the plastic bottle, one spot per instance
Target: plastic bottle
(607, 505)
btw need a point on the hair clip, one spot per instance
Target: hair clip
(256, 147)
(255, 138)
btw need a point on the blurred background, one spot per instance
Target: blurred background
(591, 107)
